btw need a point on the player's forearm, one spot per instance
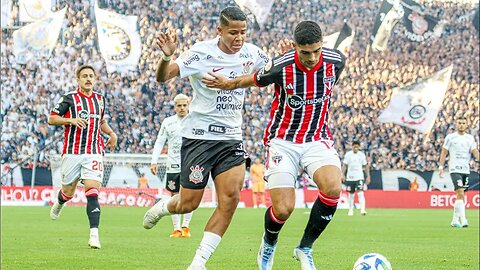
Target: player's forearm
(163, 73)
(476, 154)
(243, 81)
(443, 156)
(57, 120)
(106, 129)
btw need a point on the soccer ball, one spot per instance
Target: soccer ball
(372, 261)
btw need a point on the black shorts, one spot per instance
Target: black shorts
(460, 180)
(352, 186)
(200, 158)
(173, 182)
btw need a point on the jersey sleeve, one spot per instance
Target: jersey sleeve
(473, 144)
(190, 62)
(447, 142)
(159, 143)
(62, 106)
(364, 159)
(339, 67)
(267, 75)
(345, 159)
(261, 60)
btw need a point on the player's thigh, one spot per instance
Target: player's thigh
(322, 164)
(228, 185)
(460, 181)
(350, 186)
(92, 167)
(360, 185)
(282, 158)
(70, 169)
(172, 182)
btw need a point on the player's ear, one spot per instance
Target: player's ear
(219, 30)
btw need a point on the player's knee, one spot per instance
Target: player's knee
(283, 211)
(332, 190)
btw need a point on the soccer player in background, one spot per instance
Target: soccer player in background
(258, 182)
(297, 134)
(170, 132)
(82, 113)
(459, 145)
(355, 165)
(212, 134)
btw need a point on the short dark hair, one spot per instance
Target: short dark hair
(231, 14)
(307, 32)
(356, 143)
(82, 67)
(461, 118)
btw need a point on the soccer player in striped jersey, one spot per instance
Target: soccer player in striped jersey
(170, 133)
(460, 146)
(297, 134)
(81, 112)
(212, 131)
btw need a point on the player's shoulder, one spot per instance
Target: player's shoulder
(284, 59)
(333, 56)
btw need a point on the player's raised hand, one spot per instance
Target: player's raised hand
(168, 41)
(112, 141)
(79, 122)
(216, 81)
(285, 45)
(154, 169)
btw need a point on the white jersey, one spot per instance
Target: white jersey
(355, 162)
(216, 115)
(169, 131)
(459, 148)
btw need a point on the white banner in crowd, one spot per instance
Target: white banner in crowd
(340, 40)
(37, 39)
(259, 8)
(6, 10)
(118, 39)
(34, 10)
(416, 106)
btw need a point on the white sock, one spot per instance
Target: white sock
(94, 232)
(460, 209)
(186, 219)
(361, 200)
(456, 210)
(208, 245)
(176, 221)
(351, 198)
(164, 210)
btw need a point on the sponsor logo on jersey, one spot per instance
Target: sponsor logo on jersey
(263, 56)
(216, 129)
(295, 102)
(217, 69)
(171, 185)
(175, 166)
(85, 115)
(198, 131)
(192, 59)
(246, 55)
(196, 175)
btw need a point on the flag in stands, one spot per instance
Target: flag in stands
(34, 10)
(118, 39)
(418, 25)
(6, 10)
(389, 14)
(416, 105)
(259, 8)
(340, 40)
(37, 40)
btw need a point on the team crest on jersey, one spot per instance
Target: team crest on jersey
(328, 82)
(247, 67)
(277, 158)
(196, 175)
(171, 184)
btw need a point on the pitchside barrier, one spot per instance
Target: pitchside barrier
(388, 188)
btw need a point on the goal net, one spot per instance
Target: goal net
(122, 171)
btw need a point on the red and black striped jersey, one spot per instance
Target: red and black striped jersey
(75, 104)
(299, 111)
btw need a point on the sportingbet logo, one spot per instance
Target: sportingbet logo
(191, 60)
(295, 102)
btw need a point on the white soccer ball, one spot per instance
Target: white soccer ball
(372, 261)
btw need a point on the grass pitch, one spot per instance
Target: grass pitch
(410, 239)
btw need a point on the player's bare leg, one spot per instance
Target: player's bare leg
(64, 195)
(228, 185)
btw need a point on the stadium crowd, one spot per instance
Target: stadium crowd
(137, 104)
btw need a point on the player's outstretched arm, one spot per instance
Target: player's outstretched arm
(57, 120)
(443, 157)
(220, 82)
(112, 140)
(168, 43)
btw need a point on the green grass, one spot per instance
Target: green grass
(410, 239)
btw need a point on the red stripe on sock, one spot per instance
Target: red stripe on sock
(330, 201)
(275, 218)
(91, 192)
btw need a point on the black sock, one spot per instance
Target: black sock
(320, 216)
(93, 211)
(273, 225)
(62, 198)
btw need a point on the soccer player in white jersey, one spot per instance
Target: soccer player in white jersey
(355, 164)
(459, 145)
(298, 134)
(212, 134)
(170, 133)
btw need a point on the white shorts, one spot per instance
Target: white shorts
(85, 167)
(285, 157)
